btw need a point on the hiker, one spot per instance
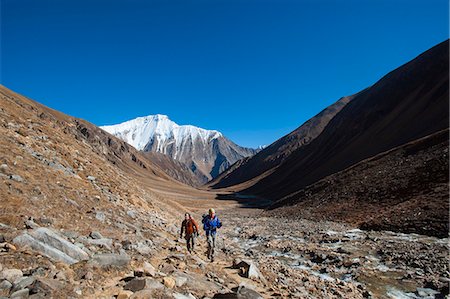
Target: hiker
(210, 224)
(190, 229)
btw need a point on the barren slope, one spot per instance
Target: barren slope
(409, 103)
(270, 157)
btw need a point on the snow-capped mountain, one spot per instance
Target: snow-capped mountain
(206, 152)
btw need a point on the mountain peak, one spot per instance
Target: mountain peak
(206, 152)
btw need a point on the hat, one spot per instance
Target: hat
(212, 211)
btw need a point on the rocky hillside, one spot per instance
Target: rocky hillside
(206, 153)
(409, 103)
(175, 169)
(405, 189)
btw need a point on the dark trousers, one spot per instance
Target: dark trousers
(190, 242)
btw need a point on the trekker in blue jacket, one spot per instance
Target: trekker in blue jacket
(210, 224)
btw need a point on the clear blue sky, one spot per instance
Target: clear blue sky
(253, 69)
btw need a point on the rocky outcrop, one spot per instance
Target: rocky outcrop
(51, 244)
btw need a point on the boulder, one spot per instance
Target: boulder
(52, 245)
(138, 284)
(169, 282)
(182, 296)
(11, 275)
(246, 293)
(111, 259)
(248, 269)
(23, 283)
(46, 286)
(20, 294)
(124, 294)
(180, 281)
(95, 235)
(144, 294)
(143, 248)
(16, 177)
(5, 285)
(146, 269)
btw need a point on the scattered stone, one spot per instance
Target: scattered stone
(100, 216)
(16, 177)
(91, 178)
(95, 235)
(4, 168)
(23, 283)
(5, 285)
(143, 249)
(183, 296)
(147, 269)
(11, 275)
(88, 276)
(20, 294)
(169, 282)
(131, 213)
(30, 224)
(46, 286)
(168, 269)
(124, 294)
(426, 292)
(245, 293)
(144, 294)
(180, 281)
(248, 269)
(45, 221)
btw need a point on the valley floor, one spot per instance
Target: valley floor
(293, 259)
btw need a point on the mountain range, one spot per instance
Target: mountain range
(205, 152)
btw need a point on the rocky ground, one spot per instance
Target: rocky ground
(308, 259)
(274, 257)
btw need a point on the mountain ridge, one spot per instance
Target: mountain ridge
(205, 152)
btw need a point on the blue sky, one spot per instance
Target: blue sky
(253, 69)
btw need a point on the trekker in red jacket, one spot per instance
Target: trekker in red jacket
(190, 229)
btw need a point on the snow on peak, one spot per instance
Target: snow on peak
(140, 131)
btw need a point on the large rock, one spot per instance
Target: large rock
(20, 294)
(143, 294)
(146, 269)
(11, 275)
(111, 259)
(23, 283)
(182, 296)
(242, 293)
(46, 286)
(138, 284)
(248, 269)
(52, 245)
(246, 293)
(124, 294)
(169, 282)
